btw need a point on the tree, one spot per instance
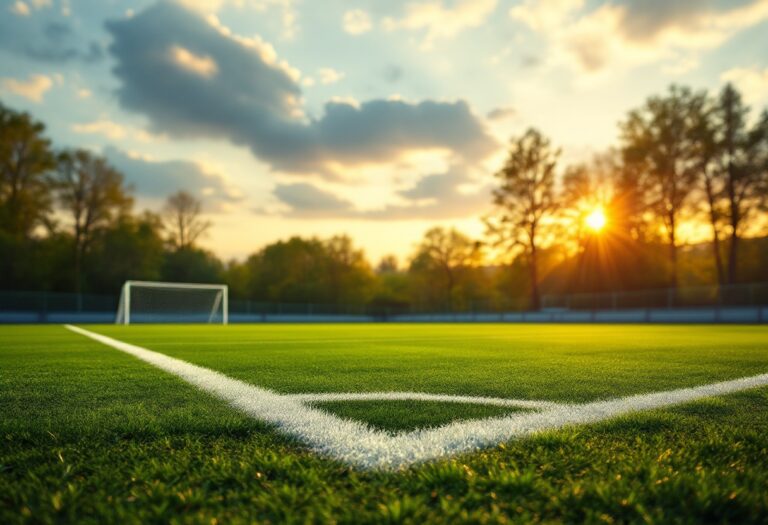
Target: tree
(130, 248)
(26, 160)
(182, 213)
(387, 264)
(707, 147)
(659, 146)
(289, 271)
(447, 253)
(349, 274)
(738, 167)
(191, 265)
(525, 199)
(94, 194)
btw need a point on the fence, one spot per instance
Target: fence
(738, 295)
(745, 303)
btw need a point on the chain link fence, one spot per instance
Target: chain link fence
(54, 307)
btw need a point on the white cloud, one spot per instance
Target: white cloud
(542, 15)
(288, 15)
(33, 89)
(439, 21)
(752, 82)
(114, 131)
(20, 8)
(636, 32)
(329, 75)
(357, 22)
(204, 66)
(107, 128)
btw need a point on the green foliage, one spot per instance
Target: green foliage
(444, 270)
(26, 161)
(191, 265)
(683, 156)
(91, 435)
(132, 247)
(525, 199)
(310, 270)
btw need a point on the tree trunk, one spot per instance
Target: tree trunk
(535, 300)
(733, 248)
(715, 233)
(733, 257)
(672, 252)
(78, 266)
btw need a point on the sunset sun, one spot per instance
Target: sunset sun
(596, 220)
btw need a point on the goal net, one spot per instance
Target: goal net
(157, 302)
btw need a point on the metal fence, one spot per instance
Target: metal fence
(738, 295)
(54, 307)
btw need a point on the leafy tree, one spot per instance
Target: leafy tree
(443, 257)
(387, 264)
(131, 248)
(708, 152)
(94, 194)
(525, 200)
(191, 265)
(741, 152)
(26, 160)
(732, 167)
(289, 271)
(349, 274)
(659, 146)
(183, 220)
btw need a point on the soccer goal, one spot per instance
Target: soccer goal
(157, 302)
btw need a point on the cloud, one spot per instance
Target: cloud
(254, 100)
(437, 196)
(329, 75)
(437, 21)
(107, 128)
(751, 81)
(113, 130)
(393, 73)
(20, 8)
(630, 32)
(46, 37)
(307, 200)
(545, 15)
(503, 113)
(288, 17)
(33, 89)
(155, 180)
(204, 66)
(357, 22)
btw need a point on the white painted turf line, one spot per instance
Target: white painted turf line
(422, 396)
(358, 444)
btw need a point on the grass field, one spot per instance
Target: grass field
(91, 434)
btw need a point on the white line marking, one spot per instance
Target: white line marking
(422, 396)
(358, 444)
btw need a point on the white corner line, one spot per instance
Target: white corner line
(422, 396)
(359, 445)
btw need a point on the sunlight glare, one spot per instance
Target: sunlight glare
(596, 219)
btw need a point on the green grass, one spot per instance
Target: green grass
(410, 415)
(91, 435)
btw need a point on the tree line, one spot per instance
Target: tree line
(684, 158)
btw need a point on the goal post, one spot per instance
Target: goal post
(163, 302)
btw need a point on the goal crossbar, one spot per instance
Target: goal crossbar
(220, 300)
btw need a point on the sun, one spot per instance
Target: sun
(596, 219)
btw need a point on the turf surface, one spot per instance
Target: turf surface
(92, 435)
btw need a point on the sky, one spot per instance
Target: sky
(378, 119)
